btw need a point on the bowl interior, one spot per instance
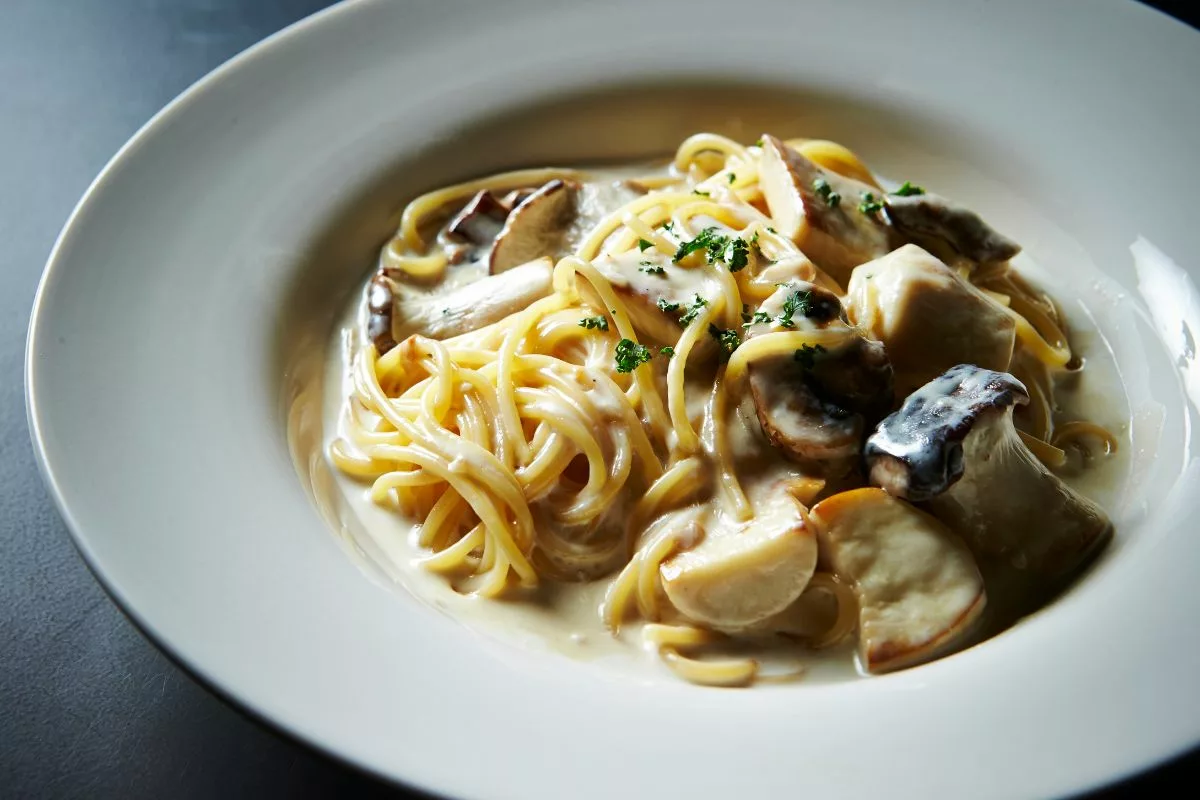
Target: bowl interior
(186, 311)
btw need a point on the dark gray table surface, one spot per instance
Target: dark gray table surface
(88, 706)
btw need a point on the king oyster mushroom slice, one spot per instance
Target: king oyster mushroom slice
(473, 305)
(918, 588)
(479, 221)
(932, 216)
(816, 404)
(739, 574)
(553, 220)
(819, 210)
(535, 227)
(381, 300)
(953, 445)
(928, 317)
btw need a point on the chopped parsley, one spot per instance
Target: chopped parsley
(644, 245)
(772, 230)
(702, 194)
(732, 178)
(693, 311)
(599, 323)
(826, 192)
(733, 250)
(727, 340)
(630, 355)
(798, 301)
(759, 142)
(667, 226)
(650, 268)
(907, 190)
(870, 204)
(759, 317)
(667, 307)
(807, 355)
(667, 351)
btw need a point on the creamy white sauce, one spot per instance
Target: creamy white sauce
(564, 618)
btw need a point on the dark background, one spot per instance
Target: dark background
(88, 707)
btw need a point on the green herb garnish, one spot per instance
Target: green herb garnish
(907, 190)
(667, 307)
(732, 178)
(702, 194)
(599, 323)
(734, 251)
(693, 311)
(667, 351)
(798, 301)
(651, 268)
(630, 355)
(826, 192)
(807, 355)
(870, 204)
(644, 245)
(727, 340)
(759, 317)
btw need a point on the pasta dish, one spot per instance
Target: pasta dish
(764, 397)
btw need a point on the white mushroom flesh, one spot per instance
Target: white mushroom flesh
(927, 316)
(918, 588)
(742, 573)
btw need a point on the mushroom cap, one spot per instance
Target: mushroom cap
(816, 406)
(742, 573)
(918, 588)
(917, 452)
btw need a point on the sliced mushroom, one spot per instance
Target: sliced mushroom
(819, 210)
(928, 317)
(472, 306)
(742, 573)
(656, 291)
(380, 305)
(535, 228)
(930, 215)
(953, 445)
(480, 220)
(918, 588)
(817, 404)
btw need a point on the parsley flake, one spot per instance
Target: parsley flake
(667, 351)
(759, 317)
(693, 311)
(733, 250)
(907, 190)
(727, 340)
(702, 194)
(826, 192)
(598, 323)
(651, 268)
(630, 355)
(869, 204)
(807, 354)
(644, 245)
(667, 307)
(798, 301)
(732, 178)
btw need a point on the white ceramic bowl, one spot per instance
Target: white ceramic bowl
(203, 270)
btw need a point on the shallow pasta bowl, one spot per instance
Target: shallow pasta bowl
(195, 287)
